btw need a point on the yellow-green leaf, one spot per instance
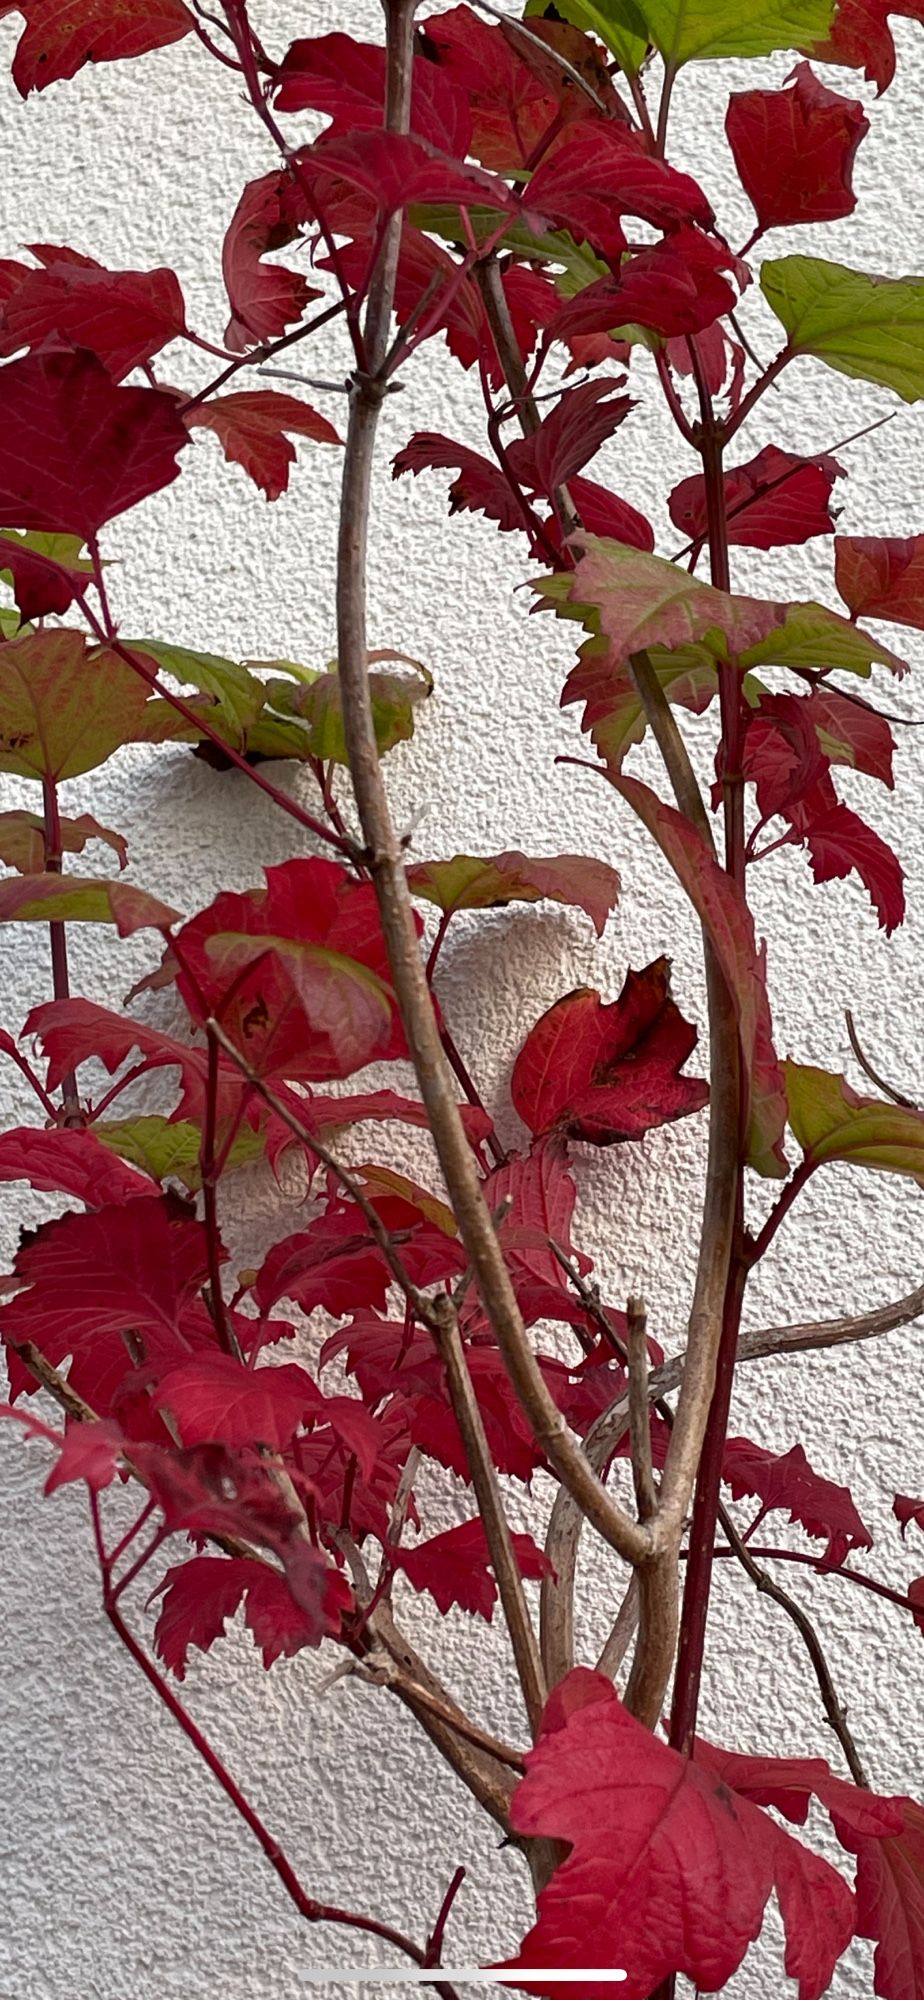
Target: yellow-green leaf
(860, 325)
(831, 1122)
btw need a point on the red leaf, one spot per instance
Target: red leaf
(603, 513)
(569, 435)
(853, 735)
(298, 971)
(321, 1266)
(345, 80)
(667, 1868)
(794, 150)
(123, 317)
(730, 925)
(75, 450)
(455, 1567)
(214, 1399)
(264, 298)
(786, 1480)
(329, 1114)
(61, 35)
(397, 172)
(99, 1284)
(606, 1073)
(71, 1031)
(69, 1162)
(511, 107)
(839, 842)
(46, 572)
(210, 1490)
(480, 486)
(675, 287)
(890, 1903)
(198, 1596)
(906, 1510)
(535, 1196)
(860, 37)
(252, 428)
(90, 1452)
(600, 171)
(789, 1784)
(778, 499)
(882, 576)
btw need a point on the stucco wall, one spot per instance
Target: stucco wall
(124, 1876)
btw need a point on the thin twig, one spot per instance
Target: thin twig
(646, 1492)
(888, 1089)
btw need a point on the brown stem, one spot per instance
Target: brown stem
(227, 1338)
(646, 1492)
(888, 1089)
(384, 858)
(512, 365)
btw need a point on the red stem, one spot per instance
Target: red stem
(821, 1568)
(760, 1244)
(256, 356)
(70, 1097)
(227, 1338)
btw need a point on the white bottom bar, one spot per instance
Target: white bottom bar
(465, 1975)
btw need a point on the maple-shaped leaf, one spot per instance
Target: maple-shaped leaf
(890, 1901)
(264, 298)
(123, 317)
(831, 1122)
(90, 1452)
(34, 899)
(512, 108)
(396, 171)
(214, 1399)
(64, 706)
(838, 842)
(776, 500)
(252, 427)
(69, 1162)
(614, 717)
(479, 486)
(73, 1031)
(730, 926)
(298, 972)
(200, 1595)
(601, 171)
(22, 838)
(323, 1266)
(45, 572)
(61, 35)
(455, 1567)
(95, 1284)
(605, 1073)
(683, 32)
(636, 600)
(470, 883)
(668, 1869)
(882, 576)
(786, 1480)
(859, 324)
(211, 1490)
(676, 287)
(76, 450)
(789, 1784)
(569, 435)
(906, 1510)
(860, 38)
(168, 1149)
(794, 150)
(345, 80)
(534, 1197)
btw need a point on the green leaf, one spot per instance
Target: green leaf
(22, 839)
(469, 883)
(621, 24)
(33, 899)
(812, 636)
(862, 326)
(64, 706)
(702, 30)
(237, 696)
(831, 1122)
(164, 1148)
(317, 704)
(729, 924)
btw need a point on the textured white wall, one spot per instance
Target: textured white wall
(125, 1876)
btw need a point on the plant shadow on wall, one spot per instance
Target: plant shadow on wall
(505, 185)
